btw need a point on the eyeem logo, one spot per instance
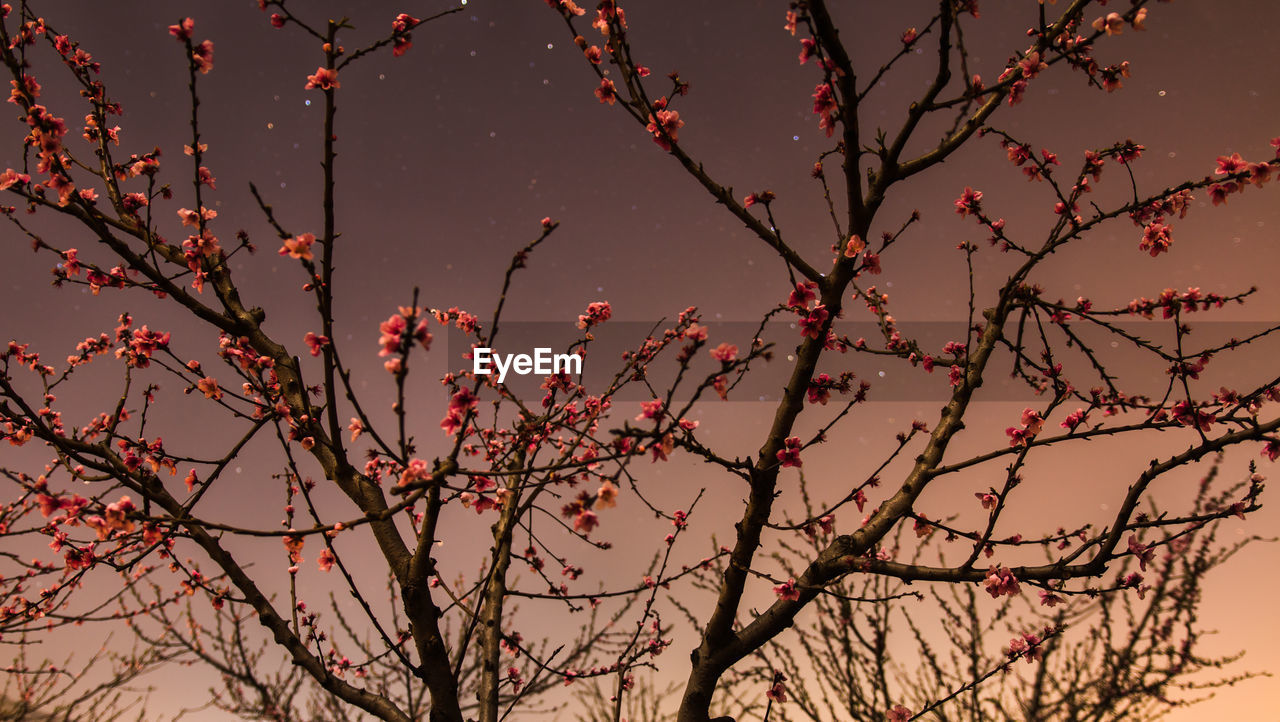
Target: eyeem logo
(542, 362)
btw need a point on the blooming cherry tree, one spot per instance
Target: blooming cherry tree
(543, 481)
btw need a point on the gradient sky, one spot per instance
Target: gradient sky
(450, 156)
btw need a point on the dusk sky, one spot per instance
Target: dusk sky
(450, 156)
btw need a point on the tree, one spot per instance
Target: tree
(533, 475)
(842, 664)
(1126, 667)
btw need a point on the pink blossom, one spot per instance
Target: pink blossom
(326, 559)
(1272, 450)
(324, 79)
(392, 331)
(1259, 173)
(969, 202)
(586, 521)
(192, 218)
(807, 49)
(597, 313)
(607, 93)
(202, 56)
(1032, 423)
(1156, 238)
(1018, 153)
(1228, 165)
(9, 177)
(826, 524)
(315, 343)
(777, 692)
(1112, 74)
(1188, 414)
(209, 387)
(663, 448)
(117, 515)
(1144, 553)
(415, 470)
(1218, 192)
(825, 106)
(1139, 18)
(665, 127)
(811, 325)
(1027, 646)
(1112, 24)
(790, 455)
(143, 343)
(293, 544)
(819, 391)
(460, 405)
(725, 353)
(298, 247)
(606, 496)
(1031, 64)
(680, 519)
(404, 22)
(183, 30)
(899, 714)
(61, 185)
(1016, 90)
(787, 591)
(1074, 419)
(650, 410)
(803, 295)
(566, 7)
(77, 559)
(1001, 581)
(1133, 580)
(871, 263)
(71, 262)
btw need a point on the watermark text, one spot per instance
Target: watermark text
(542, 362)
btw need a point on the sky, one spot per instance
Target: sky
(451, 155)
